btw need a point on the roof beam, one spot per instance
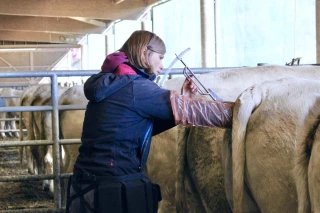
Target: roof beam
(95, 9)
(91, 21)
(39, 37)
(47, 24)
(42, 46)
(117, 1)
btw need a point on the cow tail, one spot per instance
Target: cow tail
(314, 173)
(243, 109)
(181, 164)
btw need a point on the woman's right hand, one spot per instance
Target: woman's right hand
(189, 89)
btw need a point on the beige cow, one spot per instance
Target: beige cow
(204, 153)
(39, 127)
(274, 146)
(70, 125)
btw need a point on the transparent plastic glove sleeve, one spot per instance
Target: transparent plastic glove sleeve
(198, 112)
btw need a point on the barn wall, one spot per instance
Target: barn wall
(247, 31)
(250, 32)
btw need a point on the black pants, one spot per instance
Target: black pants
(125, 194)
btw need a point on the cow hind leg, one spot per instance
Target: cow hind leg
(181, 159)
(2, 127)
(30, 160)
(314, 174)
(48, 166)
(8, 127)
(14, 128)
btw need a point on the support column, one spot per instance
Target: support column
(207, 33)
(318, 30)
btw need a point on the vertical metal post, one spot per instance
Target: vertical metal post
(318, 30)
(55, 138)
(207, 33)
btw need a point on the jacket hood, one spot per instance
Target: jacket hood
(100, 86)
(113, 60)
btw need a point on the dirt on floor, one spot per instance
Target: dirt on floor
(20, 195)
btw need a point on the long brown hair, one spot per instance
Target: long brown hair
(136, 44)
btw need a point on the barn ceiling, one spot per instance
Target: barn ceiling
(54, 21)
(53, 26)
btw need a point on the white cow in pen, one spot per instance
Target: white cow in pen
(70, 125)
(275, 146)
(203, 154)
(39, 127)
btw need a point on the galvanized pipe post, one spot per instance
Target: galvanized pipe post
(55, 138)
(207, 33)
(318, 30)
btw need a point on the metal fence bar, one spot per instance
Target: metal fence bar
(38, 142)
(9, 96)
(40, 108)
(55, 138)
(70, 141)
(25, 143)
(16, 85)
(25, 108)
(10, 119)
(19, 178)
(61, 73)
(13, 130)
(42, 210)
(64, 73)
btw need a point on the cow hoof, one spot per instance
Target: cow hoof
(46, 187)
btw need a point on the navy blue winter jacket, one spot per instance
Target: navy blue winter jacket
(121, 108)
